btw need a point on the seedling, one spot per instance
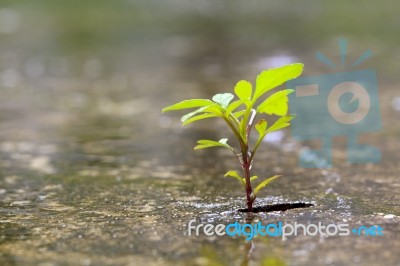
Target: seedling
(240, 116)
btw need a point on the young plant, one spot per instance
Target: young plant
(240, 116)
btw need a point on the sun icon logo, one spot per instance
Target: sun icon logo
(339, 104)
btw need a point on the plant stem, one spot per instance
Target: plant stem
(246, 164)
(247, 156)
(247, 161)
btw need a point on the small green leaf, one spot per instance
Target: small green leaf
(188, 104)
(254, 177)
(205, 143)
(261, 127)
(198, 117)
(271, 78)
(191, 114)
(237, 176)
(282, 122)
(243, 90)
(239, 113)
(212, 109)
(233, 105)
(277, 103)
(264, 183)
(223, 99)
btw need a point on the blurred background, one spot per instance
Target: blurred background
(91, 173)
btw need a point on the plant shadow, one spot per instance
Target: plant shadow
(279, 207)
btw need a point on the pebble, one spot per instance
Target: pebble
(389, 216)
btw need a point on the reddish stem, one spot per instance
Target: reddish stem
(246, 168)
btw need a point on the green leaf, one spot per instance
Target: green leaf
(223, 99)
(271, 78)
(239, 113)
(189, 115)
(237, 176)
(261, 127)
(212, 109)
(205, 143)
(254, 177)
(277, 103)
(188, 104)
(243, 90)
(264, 183)
(198, 117)
(233, 105)
(282, 122)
